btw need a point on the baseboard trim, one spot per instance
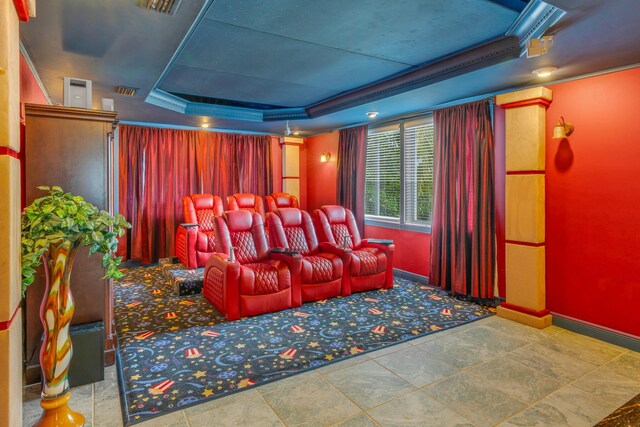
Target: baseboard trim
(403, 274)
(598, 332)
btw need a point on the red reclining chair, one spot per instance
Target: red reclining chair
(195, 240)
(368, 265)
(259, 280)
(281, 200)
(321, 275)
(246, 201)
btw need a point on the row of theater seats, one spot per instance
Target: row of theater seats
(195, 240)
(305, 259)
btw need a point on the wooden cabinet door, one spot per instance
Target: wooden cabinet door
(68, 147)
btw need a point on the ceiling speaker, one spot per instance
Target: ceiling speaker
(537, 47)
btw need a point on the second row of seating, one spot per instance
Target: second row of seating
(307, 260)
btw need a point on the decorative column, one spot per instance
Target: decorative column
(10, 273)
(525, 204)
(291, 164)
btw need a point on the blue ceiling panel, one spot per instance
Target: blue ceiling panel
(407, 31)
(222, 47)
(216, 84)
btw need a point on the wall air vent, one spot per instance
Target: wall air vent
(125, 90)
(168, 7)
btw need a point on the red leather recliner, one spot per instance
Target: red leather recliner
(367, 265)
(195, 240)
(246, 201)
(321, 275)
(259, 281)
(281, 200)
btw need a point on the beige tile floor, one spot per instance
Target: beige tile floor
(490, 372)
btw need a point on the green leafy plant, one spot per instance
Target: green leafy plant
(63, 216)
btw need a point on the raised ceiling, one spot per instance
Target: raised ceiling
(249, 64)
(289, 53)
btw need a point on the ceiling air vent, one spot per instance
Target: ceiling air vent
(168, 7)
(125, 90)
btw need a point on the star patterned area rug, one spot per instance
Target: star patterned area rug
(175, 351)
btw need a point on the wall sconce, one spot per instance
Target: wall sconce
(562, 129)
(325, 157)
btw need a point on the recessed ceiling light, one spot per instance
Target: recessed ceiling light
(205, 125)
(297, 132)
(372, 114)
(545, 71)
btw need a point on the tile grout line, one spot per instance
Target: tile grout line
(186, 419)
(417, 389)
(363, 409)
(468, 370)
(570, 383)
(271, 407)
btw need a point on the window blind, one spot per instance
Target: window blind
(418, 173)
(383, 174)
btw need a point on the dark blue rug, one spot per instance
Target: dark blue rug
(179, 351)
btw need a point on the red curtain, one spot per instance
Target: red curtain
(463, 249)
(352, 145)
(157, 167)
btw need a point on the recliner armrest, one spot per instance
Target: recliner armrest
(334, 249)
(294, 262)
(221, 262)
(286, 251)
(385, 242)
(384, 248)
(292, 259)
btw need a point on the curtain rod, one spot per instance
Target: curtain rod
(492, 95)
(186, 127)
(422, 113)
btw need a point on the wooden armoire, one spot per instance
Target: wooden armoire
(72, 148)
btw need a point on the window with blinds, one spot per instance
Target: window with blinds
(418, 173)
(399, 174)
(383, 186)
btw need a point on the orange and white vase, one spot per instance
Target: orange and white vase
(56, 312)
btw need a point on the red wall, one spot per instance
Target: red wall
(30, 92)
(593, 202)
(413, 250)
(321, 177)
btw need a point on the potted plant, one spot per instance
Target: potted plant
(53, 228)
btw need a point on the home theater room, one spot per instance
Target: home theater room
(319, 213)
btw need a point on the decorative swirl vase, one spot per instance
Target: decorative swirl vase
(56, 312)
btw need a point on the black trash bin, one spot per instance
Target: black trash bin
(87, 364)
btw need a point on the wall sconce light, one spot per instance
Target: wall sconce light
(325, 157)
(562, 129)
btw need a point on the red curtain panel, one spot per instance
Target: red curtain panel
(157, 167)
(463, 251)
(352, 145)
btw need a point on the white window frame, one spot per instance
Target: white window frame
(392, 222)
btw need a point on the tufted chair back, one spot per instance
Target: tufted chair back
(333, 222)
(201, 209)
(246, 201)
(244, 231)
(281, 200)
(293, 228)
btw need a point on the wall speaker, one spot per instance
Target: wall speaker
(77, 93)
(107, 104)
(537, 47)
